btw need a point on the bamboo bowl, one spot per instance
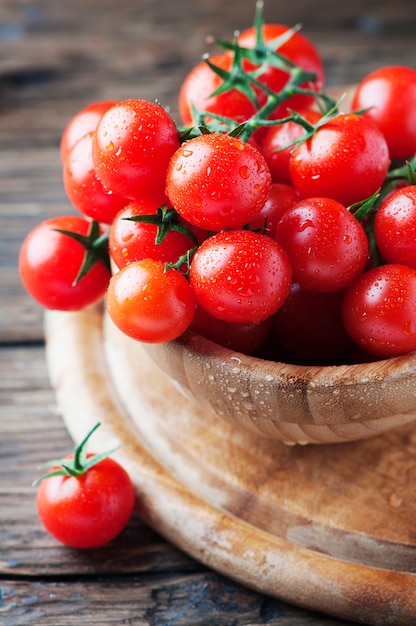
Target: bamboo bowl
(295, 404)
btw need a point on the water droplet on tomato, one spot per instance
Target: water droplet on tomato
(409, 328)
(244, 172)
(110, 146)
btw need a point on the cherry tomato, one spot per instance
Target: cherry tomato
(240, 276)
(134, 241)
(88, 504)
(347, 159)
(273, 143)
(298, 49)
(84, 122)
(83, 187)
(327, 247)
(131, 149)
(379, 310)
(49, 263)
(245, 338)
(150, 304)
(389, 94)
(201, 82)
(282, 198)
(216, 181)
(309, 324)
(395, 227)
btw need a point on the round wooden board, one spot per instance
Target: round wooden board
(327, 527)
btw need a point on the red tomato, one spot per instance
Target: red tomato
(201, 82)
(150, 304)
(282, 198)
(132, 146)
(84, 122)
(134, 241)
(395, 227)
(83, 187)
(245, 338)
(49, 263)
(327, 247)
(309, 324)
(379, 310)
(389, 94)
(89, 510)
(240, 276)
(216, 181)
(273, 143)
(347, 159)
(298, 50)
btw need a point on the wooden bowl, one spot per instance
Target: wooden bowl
(292, 403)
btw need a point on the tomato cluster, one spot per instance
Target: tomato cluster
(270, 220)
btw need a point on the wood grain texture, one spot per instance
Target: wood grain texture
(327, 528)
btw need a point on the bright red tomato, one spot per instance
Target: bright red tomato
(240, 276)
(282, 198)
(346, 159)
(150, 304)
(134, 241)
(216, 181)
(89, 510)
(327, 247)
(379, 310)
(395, 227)
(309, 324)
(298, 50)
(84, 121)
(132, 146)
(201, 82)
(49, 263)
(83, 187)
(389, 94)
(273, 143)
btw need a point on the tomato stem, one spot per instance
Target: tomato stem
(79, 463)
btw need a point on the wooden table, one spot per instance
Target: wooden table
(55, 57)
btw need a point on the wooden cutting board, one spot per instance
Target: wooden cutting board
(331, 528)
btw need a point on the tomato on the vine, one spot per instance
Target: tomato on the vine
(86, 500)
(395, 227)
(379, 310)
(298, 50)
(150, 304)
(388, 96)
(132, 146)
(327, 247)
(50, 262)
(198, 87)
(240, 276)
(216, 181)
(346, 159)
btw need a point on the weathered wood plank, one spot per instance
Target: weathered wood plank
(201, 599)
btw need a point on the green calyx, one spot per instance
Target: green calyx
(78, 464)
(166, 220)
(262, 56)
(95, 244)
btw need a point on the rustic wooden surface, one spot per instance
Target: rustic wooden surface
(55, 57)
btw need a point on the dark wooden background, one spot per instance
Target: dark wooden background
(55, 57)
